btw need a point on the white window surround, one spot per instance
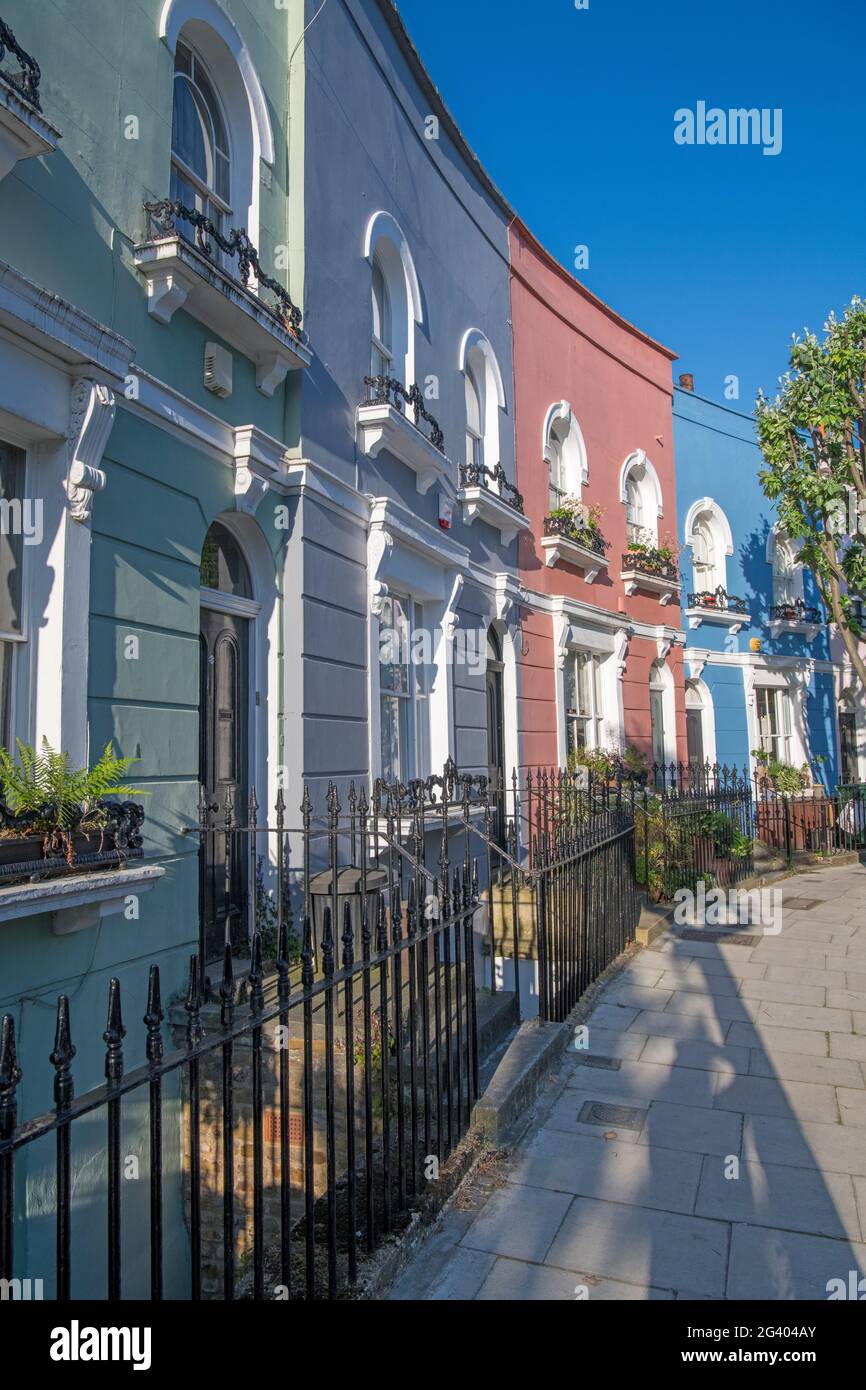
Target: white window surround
(561, 425)
(264, 612)
(788, 583)
(408, 557)
(795, 684)
(662, 681)
(572, 635)
(476, 352)
(704, 703)
(24, 131)
(638, 467)
(207, 27)
(58, 368)
(386, 242)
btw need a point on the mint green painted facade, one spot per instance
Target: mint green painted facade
(68, 223)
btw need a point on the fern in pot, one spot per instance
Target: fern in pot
(54, 815)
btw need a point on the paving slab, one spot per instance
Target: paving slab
(564, 1116)
(764, 1095)
(724, 1007)
(682, 1026)
(658, 1248)
(699, 982)
(605, 1042)
(788, 1199)
(511, 1281)
(636, 996)
(692, 1128)
(641, 1082)
(782, 992)
(684, 1052)
(771, 1265)
(852, 1107)
(851, 1045)
(804, 1144)
(804, 1016)
(632, 1174)
(795, 1066)
(771, 1039)
(518, 1221)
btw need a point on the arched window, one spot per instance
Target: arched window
(634, 510)
(485, 397)
(396, 299)
(564, 453)
(223, 567)
(382, 360)
(474, 417)
(708, 533)
(641, 495)
(704, 558)
(557, 489)
(787, 570)
(200, 156)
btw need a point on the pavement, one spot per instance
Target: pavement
(708, 1143)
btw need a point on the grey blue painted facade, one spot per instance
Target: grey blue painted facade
(732, 656)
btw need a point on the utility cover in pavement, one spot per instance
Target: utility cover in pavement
(595, 1112)
(606, 1063)
(802, 904)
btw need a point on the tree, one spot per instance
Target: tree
(813, 438)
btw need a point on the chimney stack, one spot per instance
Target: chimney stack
(687, 381)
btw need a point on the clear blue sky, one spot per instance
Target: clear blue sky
(719, 252)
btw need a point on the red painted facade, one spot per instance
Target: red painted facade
(569, 347)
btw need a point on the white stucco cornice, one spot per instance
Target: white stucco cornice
(60, 330)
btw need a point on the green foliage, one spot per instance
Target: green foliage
(43, 787)
(813, 438)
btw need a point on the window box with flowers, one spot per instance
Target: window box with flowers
(572, 533)
(653, 568)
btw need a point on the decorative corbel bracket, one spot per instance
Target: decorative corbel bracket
(696, 667)
(380, 547)
(250, 489)
(620, 652)
(450, 617)
(90, 420)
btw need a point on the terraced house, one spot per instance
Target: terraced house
(332, 502)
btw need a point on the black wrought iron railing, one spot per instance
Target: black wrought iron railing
(26, 80)
(797, 611)
(589, 537)
(294, 1114)
(649, 561)
(162, 220)
(387, 390)
(493, 480)
(719, 601)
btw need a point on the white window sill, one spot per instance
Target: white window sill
(558, 548)
(179, 277)
(808, 630)
(721, 617)
(79, 901)
(381, 427)
(24, 132)
(481, 503)
(667, 589)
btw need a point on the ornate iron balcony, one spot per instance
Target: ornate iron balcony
(588, 536)
(651, 562)
(387, 390)
(476, 475)
(720, 602)
(795, 612)
(27, 83)
(162, 219)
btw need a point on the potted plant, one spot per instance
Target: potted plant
(57, 819)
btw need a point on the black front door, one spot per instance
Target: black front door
(223, 760)
(848, 742)
(496, 739)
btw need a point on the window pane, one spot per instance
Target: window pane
(223, 567)
(390, 738)
(382, 326)
(12, 515)
(394, 648)
(190, 140)
(583, 674)
(473, 404)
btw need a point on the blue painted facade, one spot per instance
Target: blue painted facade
(718, 462)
